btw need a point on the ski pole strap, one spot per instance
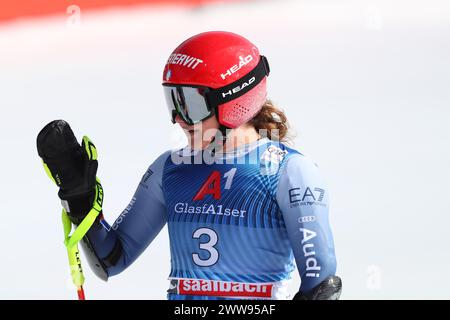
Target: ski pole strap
(87, 222)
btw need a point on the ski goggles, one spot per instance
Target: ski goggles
(197, 103)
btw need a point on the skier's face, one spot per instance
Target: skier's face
(201, 134)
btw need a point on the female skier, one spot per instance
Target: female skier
(241, 207)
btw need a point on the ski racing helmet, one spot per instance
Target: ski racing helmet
(215, 73)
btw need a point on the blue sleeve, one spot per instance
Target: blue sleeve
(303, 198)
(119, 246)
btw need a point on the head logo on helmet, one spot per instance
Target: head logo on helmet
(236, 67)
(228, 67)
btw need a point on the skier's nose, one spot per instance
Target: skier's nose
(181, 122)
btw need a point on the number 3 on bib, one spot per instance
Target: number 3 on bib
(208, 246)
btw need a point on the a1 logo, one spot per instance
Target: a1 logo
(212, 185)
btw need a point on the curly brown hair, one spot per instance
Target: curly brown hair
(272, 122)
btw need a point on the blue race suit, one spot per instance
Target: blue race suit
(233, 218)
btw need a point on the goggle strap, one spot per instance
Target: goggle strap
(240, 87)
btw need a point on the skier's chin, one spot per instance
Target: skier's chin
(196, 140)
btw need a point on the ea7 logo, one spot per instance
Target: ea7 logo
(306, 196)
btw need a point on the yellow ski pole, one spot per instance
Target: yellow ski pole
(71, 241)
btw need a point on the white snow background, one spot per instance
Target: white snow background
(365, 84)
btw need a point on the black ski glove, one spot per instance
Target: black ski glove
(329, 289)
(72, 167)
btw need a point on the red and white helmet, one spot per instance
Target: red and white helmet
(218, 73)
